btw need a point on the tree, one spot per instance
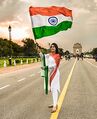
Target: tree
(94, 51)
(9, 48)
(6, 50)
(17, 50)
(29, 47)
(4, 47)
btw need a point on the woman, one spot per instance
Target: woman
(53, 61)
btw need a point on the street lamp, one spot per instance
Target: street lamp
(9, 29)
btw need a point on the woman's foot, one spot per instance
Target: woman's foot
(54, 109)
(50, 106)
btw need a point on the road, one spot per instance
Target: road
(22, 95)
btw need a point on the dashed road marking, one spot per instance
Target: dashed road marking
(4, 87)
(21, 79)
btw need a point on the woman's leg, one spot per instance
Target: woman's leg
(55, 98)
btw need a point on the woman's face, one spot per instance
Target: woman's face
(53, 49)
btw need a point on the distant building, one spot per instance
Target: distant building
(77, 49)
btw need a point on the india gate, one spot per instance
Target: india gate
(77, 49)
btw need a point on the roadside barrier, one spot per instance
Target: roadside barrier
(5, 63)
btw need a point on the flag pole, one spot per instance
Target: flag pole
(45, 74)
(45, 68)
(45, 71)
(44, 64)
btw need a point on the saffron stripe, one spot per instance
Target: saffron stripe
(50, 11)
(40, 32)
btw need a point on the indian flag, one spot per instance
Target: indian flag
(48, 21)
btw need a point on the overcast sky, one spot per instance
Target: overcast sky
(84, 29)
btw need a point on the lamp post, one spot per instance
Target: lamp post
(10, 60)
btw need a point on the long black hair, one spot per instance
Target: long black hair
(56, 46)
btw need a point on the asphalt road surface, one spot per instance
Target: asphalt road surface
(22, 95)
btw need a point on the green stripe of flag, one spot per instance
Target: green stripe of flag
(42, 31)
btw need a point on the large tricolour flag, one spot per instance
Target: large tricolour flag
(48, 21)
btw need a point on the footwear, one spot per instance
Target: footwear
(50, 106)
(54, 109)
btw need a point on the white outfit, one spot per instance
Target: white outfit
(55, 84)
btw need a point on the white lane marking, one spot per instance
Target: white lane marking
(91, 63)
(4, 87)
(21, 79)
(32, 75)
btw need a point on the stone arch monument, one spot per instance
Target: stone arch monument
(77, 49)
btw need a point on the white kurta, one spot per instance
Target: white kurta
(55, 84)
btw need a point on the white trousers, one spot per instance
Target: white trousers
(55, 97)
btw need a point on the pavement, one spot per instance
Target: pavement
(17, 67)
(22, 93)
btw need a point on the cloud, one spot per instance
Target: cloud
(9, 9)
(95, 2)
(15, 12)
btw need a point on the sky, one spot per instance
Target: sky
(84, 28)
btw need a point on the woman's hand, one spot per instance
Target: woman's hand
(43, 68)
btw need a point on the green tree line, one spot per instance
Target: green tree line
(94, 51)
(9, 48)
